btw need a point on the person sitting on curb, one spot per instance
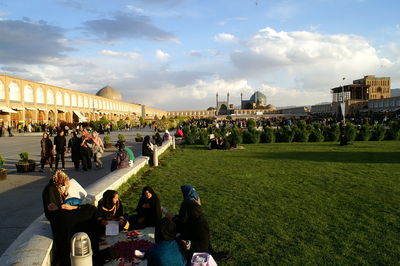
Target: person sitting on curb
(121, 159)
(129, 151)
(148, 149)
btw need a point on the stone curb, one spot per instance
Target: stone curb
(33, 246)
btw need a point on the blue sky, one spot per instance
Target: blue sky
(176, 54)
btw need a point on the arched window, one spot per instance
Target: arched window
(50, 97)
(2, 91)
(59, 98)
(86, 102)
(67, 99)
(80, 101)
(39, 96)
(73, 99)
(28, 94)
(15, 92)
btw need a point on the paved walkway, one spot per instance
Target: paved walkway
(20, 194)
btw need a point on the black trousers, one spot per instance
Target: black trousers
(86, 155)
(58, 155)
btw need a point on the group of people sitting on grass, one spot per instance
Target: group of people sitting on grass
(218, 143)
(177, 237)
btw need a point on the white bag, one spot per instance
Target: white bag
(202, 259)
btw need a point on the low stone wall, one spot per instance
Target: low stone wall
(33, 246)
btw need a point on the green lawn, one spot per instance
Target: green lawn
(290, 204)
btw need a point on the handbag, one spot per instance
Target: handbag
(202, 259)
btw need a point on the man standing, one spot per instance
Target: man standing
(60, 143)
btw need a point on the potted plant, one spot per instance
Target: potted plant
(107, 142)
(3, 171)
(121, 138)
(25, 165)
(138, 138)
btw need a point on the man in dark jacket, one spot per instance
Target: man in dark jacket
(60, 143)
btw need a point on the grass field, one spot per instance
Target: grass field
(289, 204)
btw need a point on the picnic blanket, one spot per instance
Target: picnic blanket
(125, 244)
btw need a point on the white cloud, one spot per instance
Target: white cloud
(203, 53)
(118, 54)
(293, 97)
(198, 95)
(226, 21)
(135, 9)
(162, 55)
(306, 60)
(225, 38)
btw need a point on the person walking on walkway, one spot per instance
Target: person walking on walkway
(47, 152)
(9, 131)
(74, 146)
(60, 144)
(86, 150)
(98, 149)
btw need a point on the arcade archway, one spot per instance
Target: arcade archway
(51, 117)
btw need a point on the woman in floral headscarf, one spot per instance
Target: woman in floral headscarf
(65, 219)
(98, 149)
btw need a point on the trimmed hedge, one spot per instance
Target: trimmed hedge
(300, 132)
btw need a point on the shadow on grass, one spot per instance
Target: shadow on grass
(194, 147)
(341, 157)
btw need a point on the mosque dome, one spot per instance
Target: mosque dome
(110, 93)
(259, 98)
(270, 107)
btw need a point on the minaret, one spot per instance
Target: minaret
(216, 107)
(228, 99)
(241, 100)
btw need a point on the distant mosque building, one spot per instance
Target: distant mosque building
(257, 101)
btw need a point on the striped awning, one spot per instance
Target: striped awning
(80, 116)
(5, 109)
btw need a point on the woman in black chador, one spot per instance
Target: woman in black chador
(148, 209)
(65, 219)
(148, 149)
(46, 154)
(110, 208)
(197, 230)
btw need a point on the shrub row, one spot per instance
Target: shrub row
(300, 132)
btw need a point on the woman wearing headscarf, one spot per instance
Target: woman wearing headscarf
(148, 149)
(65, 219)
(148, 209)
(98, 149)
(167, 250)
(110, 208)
(46, 155)
(197, 230)
(74, 145)
(158, 140)
(86, 150)
(190, 197)
(166, 135)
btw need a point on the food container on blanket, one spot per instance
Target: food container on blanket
(81, 250)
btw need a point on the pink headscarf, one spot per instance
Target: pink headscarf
(96, 140)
